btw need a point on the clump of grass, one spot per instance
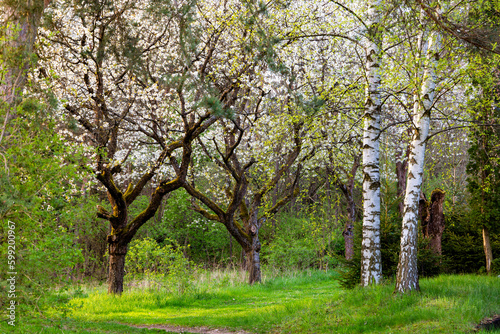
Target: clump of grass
(220, 277)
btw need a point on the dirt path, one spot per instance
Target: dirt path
(181, 329)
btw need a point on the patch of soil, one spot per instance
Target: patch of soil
(489, 324)
(181, 329)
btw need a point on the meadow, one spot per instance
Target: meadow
(295, 302)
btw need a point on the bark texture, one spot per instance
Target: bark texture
(253, 255)
(371, 263)
(21, 21)
(347, 189)
(117, 253)
(407, 273)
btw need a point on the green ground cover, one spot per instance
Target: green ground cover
(310, 302)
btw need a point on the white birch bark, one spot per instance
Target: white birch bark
(371, 264)
(407, 275)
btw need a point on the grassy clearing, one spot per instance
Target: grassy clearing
(310, 302)
(222, 304)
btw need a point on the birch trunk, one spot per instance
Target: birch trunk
(407, 275)
(371, 264)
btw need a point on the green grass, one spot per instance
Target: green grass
(311, 302)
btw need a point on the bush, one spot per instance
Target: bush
(209, 241)
(160, 266)
(302, 243)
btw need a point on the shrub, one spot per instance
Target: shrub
(302, 242)
(160, 266)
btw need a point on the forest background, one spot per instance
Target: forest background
(153, 139)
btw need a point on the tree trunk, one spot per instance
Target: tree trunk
(487, 249)
(407, 273)
(253, 254)
(401, 171)
(117, 253)
(21, 35)
(348, 232)
(371, 264)
(435, 223)
(253, 264)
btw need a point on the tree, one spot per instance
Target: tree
(478, 32)
(36, 181)
(243, 212)
(432, 219)
(424, 99)
(347, 187)
(371, 266)
(144, 81)
(138, 90)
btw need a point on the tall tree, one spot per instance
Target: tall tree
(371, 260)
(139, 90)
(424, 99)
(243, 211)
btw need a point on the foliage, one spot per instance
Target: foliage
(303, 241)
(39, 197)
(462, 244)
(483, 169)
(163, 267)
(209, 242)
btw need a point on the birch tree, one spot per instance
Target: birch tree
(407, 275)
(371, 266)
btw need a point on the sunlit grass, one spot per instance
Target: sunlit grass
(224, 305)
(307, 302)
(447, 304)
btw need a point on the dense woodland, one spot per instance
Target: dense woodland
(163, 137)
